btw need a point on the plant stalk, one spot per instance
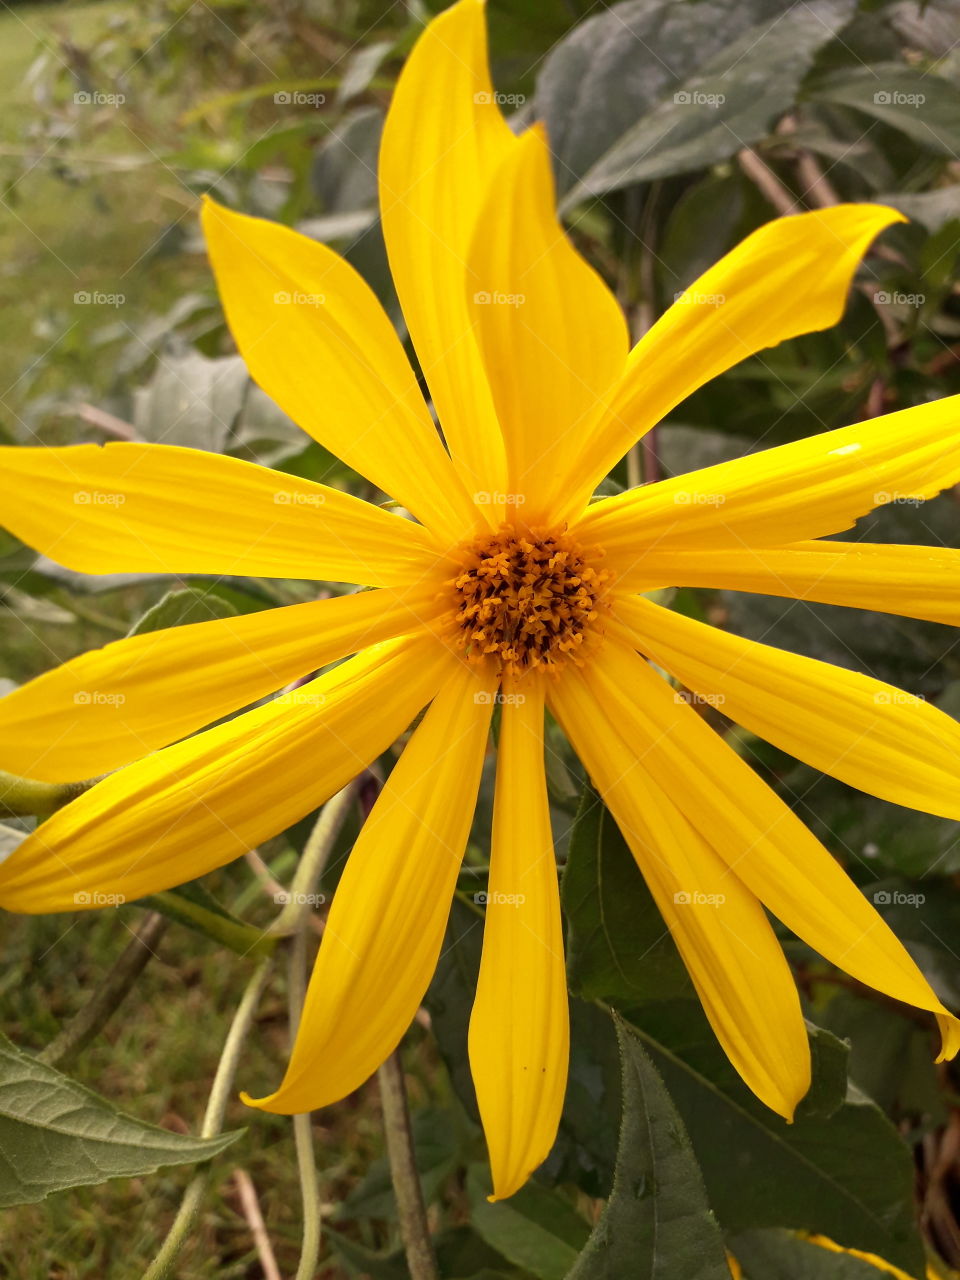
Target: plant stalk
(411, 1209)
(212, 1121)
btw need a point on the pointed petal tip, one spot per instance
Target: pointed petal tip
(949, 1036)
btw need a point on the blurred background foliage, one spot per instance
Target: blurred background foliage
(678, 126)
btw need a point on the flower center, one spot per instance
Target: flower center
(528, 599)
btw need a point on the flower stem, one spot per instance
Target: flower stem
(403, 1171)
(94, 1015)
(212, 1121)
(21, 797)
(313, 860)
(302, 1129)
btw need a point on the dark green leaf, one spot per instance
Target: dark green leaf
(177, 608)
(848, 1176)
(649, 90)
(657, 1224)
(764, 1254)
(618, 947)
(534, 1229)
(56, 1134)
(918, 103)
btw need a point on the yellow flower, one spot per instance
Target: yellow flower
(506, 585)
(824, 1242)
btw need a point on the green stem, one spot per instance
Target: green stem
(302, 1127)
(212, 1121)
(22, 797)
(313, 860)
(403, 1171)
(98, 1010)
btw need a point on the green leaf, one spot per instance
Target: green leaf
(177, 608)
(450, 997)
(534, 1229)
(657, 1224)
(920, 104)
(763, 1254)
(191, 400)
(618, 948)
(890, 1058)
(56, 1134)
(647, 89)
(848, 1175)
(585, 1151)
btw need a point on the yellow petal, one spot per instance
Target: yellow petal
(808, 489)
(519, 1030)
(443, 140)
(755, 834)
(788, 277)
(915, 582)
(867, 733)
(116, 704)
(316, 339)
(386, 925)
(153, 508)
(196, 805)
(552, 335)
(875, 1261)
(721, 931)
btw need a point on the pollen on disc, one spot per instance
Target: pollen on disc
(528, 599)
